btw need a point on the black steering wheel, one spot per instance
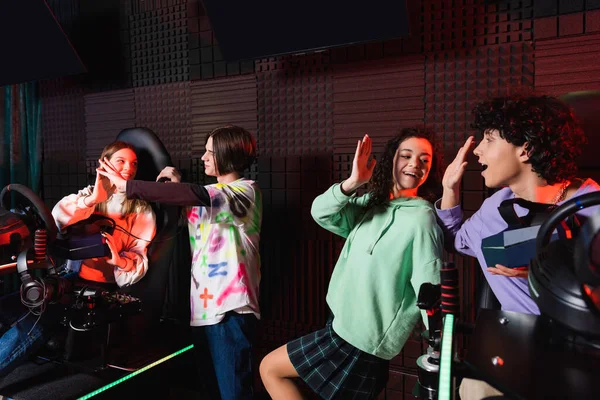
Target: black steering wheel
(42, 211)
(566, 209)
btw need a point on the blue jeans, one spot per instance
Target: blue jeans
(224, 356)
(22, 333)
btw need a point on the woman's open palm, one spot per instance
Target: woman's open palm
(363, 165)
(101, 190)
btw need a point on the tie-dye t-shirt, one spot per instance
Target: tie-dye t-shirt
(224, 240)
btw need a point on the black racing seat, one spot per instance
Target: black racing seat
(132, 330)
(152, 158)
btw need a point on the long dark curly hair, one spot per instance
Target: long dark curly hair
(382, 181)
(544, 123)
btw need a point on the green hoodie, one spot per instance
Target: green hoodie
(389, 252)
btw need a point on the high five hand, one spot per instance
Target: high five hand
(112, 174)
(362, 166)
(456, 169)
(102, 187)
(453, 176)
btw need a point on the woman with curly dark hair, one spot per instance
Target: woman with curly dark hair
(393, 245)
(384, 174)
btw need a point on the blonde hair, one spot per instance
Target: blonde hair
(129, 206)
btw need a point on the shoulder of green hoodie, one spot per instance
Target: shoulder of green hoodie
(337, 212)
(417, 241)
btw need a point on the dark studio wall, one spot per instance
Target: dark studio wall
(157, 64)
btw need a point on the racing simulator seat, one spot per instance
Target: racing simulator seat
(136, 309)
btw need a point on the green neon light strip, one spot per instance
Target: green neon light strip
(445, 383)
(131, 375)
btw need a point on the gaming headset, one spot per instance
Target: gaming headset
(34, 292)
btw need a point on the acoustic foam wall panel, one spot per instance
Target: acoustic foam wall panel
(568, 64)
(167, 110)
(547, 8)
(567, 25)
(61, 178)
(63, 131)
(63, 122)
(457, 80)
(464, 24)
(559, 18)
(222, 102)
(295, 113)
(106, 114)
(565, 65)
(297, 255)
(158, 42)
(592, 21)
(376, 98)
(295, 119)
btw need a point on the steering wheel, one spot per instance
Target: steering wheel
(41, 210)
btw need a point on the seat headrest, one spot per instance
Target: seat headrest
(152, 154)
(585, 106)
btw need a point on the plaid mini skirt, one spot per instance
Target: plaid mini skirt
(335, 369)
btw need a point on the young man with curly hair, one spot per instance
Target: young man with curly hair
(529, 150)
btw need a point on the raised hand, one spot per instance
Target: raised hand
(362, 166)
(453, 176)
(100, 193)
(110, 173)
(456, 168)
(170, 173)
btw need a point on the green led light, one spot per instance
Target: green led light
(445, 383)
(131, 375)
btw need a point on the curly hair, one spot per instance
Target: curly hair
(382, 181)
(546, 125)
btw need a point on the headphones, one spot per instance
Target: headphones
(36, 293)
(33, 292)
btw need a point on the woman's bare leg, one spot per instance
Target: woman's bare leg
(276, 371)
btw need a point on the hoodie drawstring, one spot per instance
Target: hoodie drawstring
(382, 231)
(352, 234)
(384, 228)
